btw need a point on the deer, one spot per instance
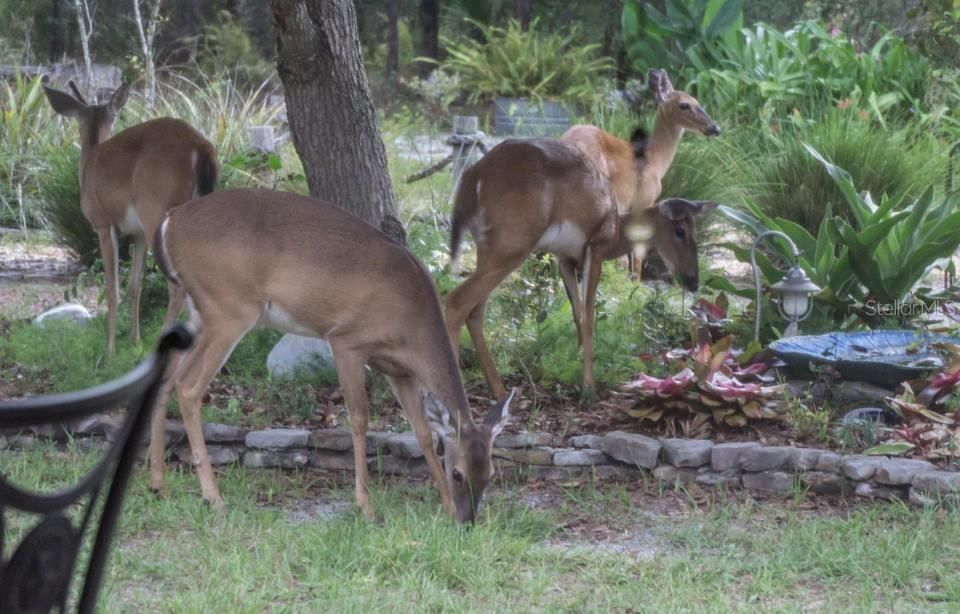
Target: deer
(247, 258)
(128, 182)
(544, 195)
(635, 169)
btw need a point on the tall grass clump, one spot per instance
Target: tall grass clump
(789, 183)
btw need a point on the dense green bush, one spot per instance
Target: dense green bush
(531, 63)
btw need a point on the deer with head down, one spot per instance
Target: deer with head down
(128, 182)
(545, 195)
(249, 258)
(635, 169)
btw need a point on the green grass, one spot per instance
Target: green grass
(176, 555)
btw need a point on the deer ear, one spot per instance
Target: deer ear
(437, 415)
(499, 415)
(679, 208)
(703, 206)
(63, 103)
(119, 97)
(76, 91)
(659, 84)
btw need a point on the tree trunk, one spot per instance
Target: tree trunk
(521, 12)
(330, 110)
(429, 17)
(58, 36)
(393, 39)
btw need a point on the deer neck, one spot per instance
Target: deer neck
(90, 139)
(443, 380)
(663, 144)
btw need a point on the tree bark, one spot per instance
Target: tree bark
(521, 12)
(85, 25)
(147, 35)
(330, 110)
(429, 17)
(393, 39)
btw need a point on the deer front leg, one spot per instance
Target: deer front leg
(135, 284)
(593, 265)
(350, 372)
(107, 237)
(407, 392)
(568, 272)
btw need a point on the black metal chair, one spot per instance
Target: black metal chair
(38, 573)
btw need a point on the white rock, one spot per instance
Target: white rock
(295, 353)
(70, 312)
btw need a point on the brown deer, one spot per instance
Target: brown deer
(544, 195)
(254, 257)
(127, 184)
(635, 169)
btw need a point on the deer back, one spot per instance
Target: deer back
(615, 158)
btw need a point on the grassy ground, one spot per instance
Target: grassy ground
(292, 542)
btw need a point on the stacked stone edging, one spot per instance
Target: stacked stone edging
(534, 455)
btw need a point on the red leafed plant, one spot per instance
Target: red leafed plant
(931, 417)
(714, 382)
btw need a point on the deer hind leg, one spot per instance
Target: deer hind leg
(593, 266)
(212, 347)
(135, 284)
(107, 236)
(466, 304)
(408, 393)
(568, 272)
(352, 376)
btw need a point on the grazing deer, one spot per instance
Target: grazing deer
(255, 257)
(635, 169)
(543, 194)
(129, 181)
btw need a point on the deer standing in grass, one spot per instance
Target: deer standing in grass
(545, 195)
(128, 182)
(635, 169)
(295, 264)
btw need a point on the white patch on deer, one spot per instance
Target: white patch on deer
(564, 239)
(130, 224)
(194, 156)
(479, 186)
(275, 317)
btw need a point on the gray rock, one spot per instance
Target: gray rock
(523, 440)
(631, 448)
(937, 482)
(100, 424)
(768, 458)
(70, 312)
(560, 474)
(828, 461)
(336, 440)
(669, 475)
(860, 468)
(377, 442)
(567, 458)
(876, 491)
(616, 472)
(278, 439)
(715, 478)
(219, 455)
(824, 482)
(298, 354)
(289, 459)
(392, 465)
(331, 460)
(900, 471)
(687, 452)
(918, 498)
(508, 471)
(528, 456)
(404, 445)
(586, 441)
(214, 432)
(806, 459)
(727, 456)
(768, 481)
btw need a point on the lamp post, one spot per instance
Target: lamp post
(795, 288)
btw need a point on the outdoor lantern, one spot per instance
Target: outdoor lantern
(795, 289)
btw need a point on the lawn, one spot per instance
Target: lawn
(293, 542)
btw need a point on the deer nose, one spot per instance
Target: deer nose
(712, 130)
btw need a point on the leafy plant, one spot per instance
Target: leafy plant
(510, 61)
(688, 29)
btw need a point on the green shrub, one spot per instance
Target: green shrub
(789, 183)
(227, 49)
(61, 206)
(528, 64)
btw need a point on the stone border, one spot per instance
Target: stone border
(532, 455)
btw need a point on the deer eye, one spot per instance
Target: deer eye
(458, 477)
(684, 106)
(680, 231)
